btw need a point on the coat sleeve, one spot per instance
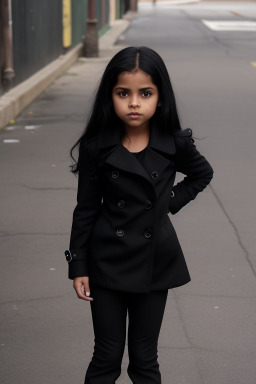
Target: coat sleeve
(197, 169)
(85, 213)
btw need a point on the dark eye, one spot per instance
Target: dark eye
(146, 94)
(123, 94)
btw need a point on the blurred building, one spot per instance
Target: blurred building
(33, 33)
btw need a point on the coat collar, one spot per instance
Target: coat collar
(161, 141)
(121, 158)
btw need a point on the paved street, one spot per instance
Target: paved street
(209, 329)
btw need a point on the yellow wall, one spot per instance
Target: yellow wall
(112, 11)
(66, 14)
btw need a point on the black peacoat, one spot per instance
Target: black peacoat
(122, 236)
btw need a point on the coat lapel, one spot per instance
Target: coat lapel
(121, 158)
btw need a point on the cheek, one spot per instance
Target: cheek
(151, 108)
(117, 105)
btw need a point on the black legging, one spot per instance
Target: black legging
(109, 310)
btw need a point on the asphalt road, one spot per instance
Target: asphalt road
(209, 329)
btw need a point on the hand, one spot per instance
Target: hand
(81, 286)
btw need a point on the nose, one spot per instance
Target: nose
(134, 102)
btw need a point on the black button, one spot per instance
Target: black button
(68, 255)
(115, 174)
(121, 203)
(148, 204)
(119, 232)
(154, 175)
(147, 233)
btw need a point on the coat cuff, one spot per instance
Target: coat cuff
(177, 201)
(78, 268)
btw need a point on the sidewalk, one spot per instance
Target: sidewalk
(14, 101)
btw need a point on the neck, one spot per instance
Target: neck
(136, 132)
(136, 138)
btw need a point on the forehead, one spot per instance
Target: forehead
(135, 78)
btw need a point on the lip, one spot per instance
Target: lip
(134, 115)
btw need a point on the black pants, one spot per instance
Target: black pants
(109, 310)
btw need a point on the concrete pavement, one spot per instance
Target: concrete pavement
(209, 329)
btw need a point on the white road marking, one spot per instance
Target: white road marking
(177, 2)
(227, 25)
(10, 141)
(31, 127)
(163, 3)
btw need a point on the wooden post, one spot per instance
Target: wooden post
(134, 5)
(6, 23)
(91, 40)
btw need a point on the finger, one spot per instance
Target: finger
(87, 290)
(81, 295)
(79, 288)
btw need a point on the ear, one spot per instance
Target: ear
(159, 104)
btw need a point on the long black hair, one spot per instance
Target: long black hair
(102, 114)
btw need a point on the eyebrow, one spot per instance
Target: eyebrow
(141, 89)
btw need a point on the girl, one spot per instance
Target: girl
(124, 254)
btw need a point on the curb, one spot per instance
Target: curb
(19, 97)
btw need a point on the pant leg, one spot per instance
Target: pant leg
(109, 311)
(146, 312)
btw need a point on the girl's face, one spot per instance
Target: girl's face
(135, 98)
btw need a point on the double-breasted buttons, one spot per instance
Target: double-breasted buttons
(147, 233)
(119, 232)
(115, 174)
(148, 204)
(154, 175)
(121, 203)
